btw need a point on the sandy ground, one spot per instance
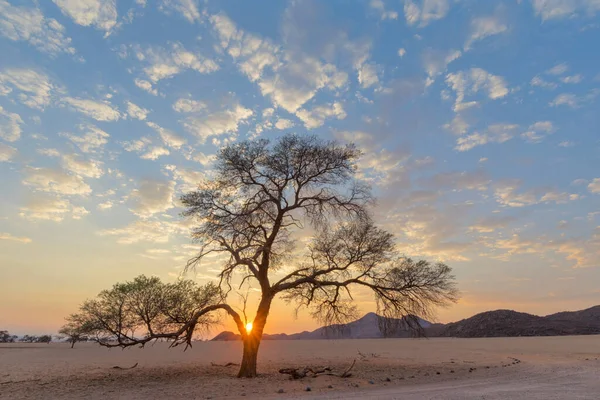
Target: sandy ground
(440, 368)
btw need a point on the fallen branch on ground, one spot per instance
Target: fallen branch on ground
(297, 373)
(229, 364)
(132, 367)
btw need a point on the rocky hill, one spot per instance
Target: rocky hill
(511, 323)
(499, 323)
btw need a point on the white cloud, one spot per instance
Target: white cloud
(190, 178)
(49, 152)
(379, 6)
(594, 186)
(572, 79)
(428, 11)
(538, 131)
(55, 181)
(402, 52)
(558, 69)
(317, 116)
(188, 106)
(29, 24)
(105, 205)
(507, 194)
(164, 64)
(566, 143)
(141, 231)
(483, 27)
(137, 112)
(436, 61)
(88, 169)
(154, 152)
(98, 110)
(35, 87)
(169, 137)
(496, 133)
(187, 8)
(539, 81)
(152, 197)
(283, 123)
(146, 86)
(217, 123)
(92, 140)
(12, 238)
(50, 208)
(565, 99)
(367, 75)
(10, 125)
(557, 9)
(458, 125)
(7, 152)
(289, 78)
(474, 80)
(100, 13)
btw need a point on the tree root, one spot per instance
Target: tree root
(299, 373)
(132, 367)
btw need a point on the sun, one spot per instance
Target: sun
(249, 327)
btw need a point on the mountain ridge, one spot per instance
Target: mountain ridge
(496, 323)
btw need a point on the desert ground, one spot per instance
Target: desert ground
(439, 368)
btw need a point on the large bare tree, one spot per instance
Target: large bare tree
(260, 197)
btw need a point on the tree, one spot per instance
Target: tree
(72, 333)
(44, 339)
(260, 195)
(6, 337)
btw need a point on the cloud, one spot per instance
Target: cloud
(474, 80)
(11, 238)
(572, 79)
(99, 13)
(558, 9)
(491, 223)
(29, 24)
(402, 52)
(7, 152)
(105, 205)
(92, 140)
(537, 132)
(146, 86)
(379, 6)
(137, 112)
(283, 123)
(224, 121)
(170, 138)
(458, 125)
(496, 133)
(50, 208)
(428, 11)
(154, 153)
(507, 194)
(316, 117)
(565, 99)
(539, 81)
(55, 181)
(459, 180)
(187, 8)
(35, 87)
(483, 27)
(436, 61)
(288, 78)
(558, 69)
(190, 178)
(10, 125)
(367, 75)
(166, 63)
(88, 169)
(188, 106)
(142, 231)
(152, 197)
(594, 186)
(98, 110)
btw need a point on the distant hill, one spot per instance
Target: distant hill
(499, 323)
(511, 323)
(370, 326)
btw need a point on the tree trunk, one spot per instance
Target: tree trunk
(252, 339)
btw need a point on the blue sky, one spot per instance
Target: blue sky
(479, 122)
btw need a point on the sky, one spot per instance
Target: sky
(479, 122)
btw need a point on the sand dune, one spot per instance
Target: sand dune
(440, 368)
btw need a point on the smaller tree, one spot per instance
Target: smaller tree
(6, 337)
(44, 339)
(72, 333)
(28, 339)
